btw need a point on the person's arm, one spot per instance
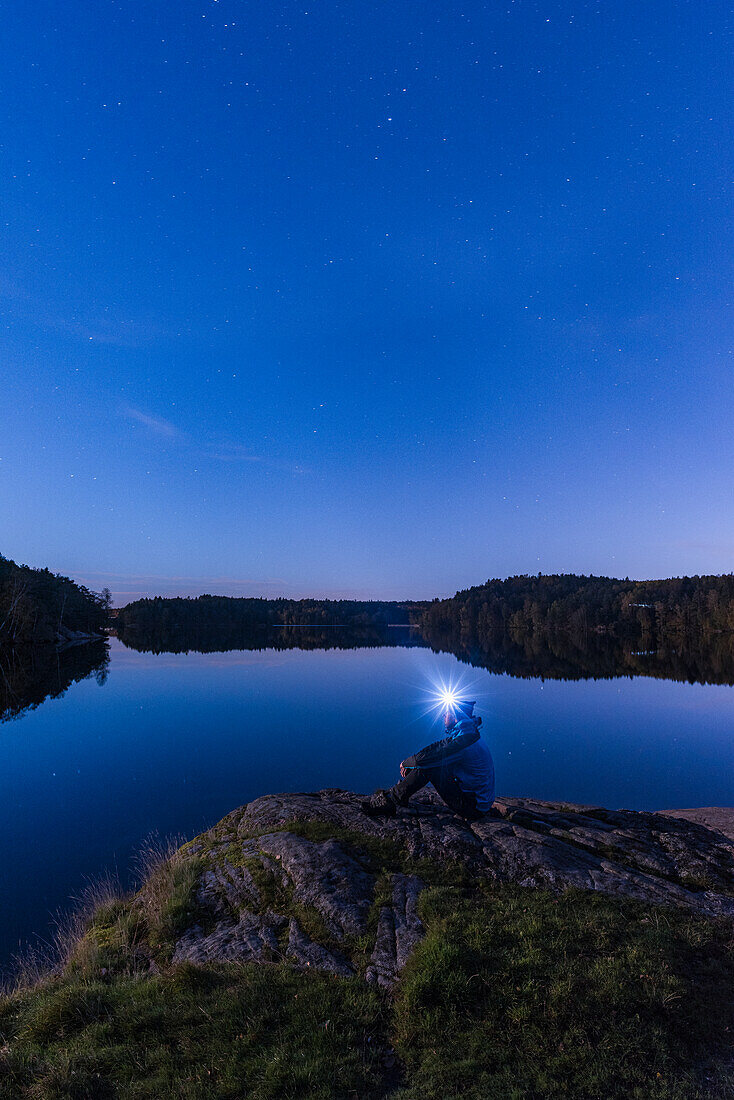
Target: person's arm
(441, 751)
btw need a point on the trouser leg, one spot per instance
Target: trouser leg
(457, 800)
(414, 781)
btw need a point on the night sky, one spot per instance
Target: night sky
(365, 299)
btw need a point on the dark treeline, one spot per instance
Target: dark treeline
(649, 614)
(238, 617)
(213, 639)
(42, 613)
(37, 606)
(562, 626)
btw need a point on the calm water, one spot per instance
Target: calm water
(172, 742)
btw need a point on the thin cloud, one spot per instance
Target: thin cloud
(236, 452)
(113, 329)
(155, 423)
(118, 333)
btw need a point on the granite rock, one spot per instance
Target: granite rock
(262, 874)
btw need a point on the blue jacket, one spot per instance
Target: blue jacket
(463, 756)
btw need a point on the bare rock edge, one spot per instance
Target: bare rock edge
(297, 876)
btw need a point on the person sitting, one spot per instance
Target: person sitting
(460, 767)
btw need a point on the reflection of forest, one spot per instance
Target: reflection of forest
(29, 676)
(27, 679)
(209, 639)
(533, 656)
(559, 658)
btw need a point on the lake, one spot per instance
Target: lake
(169, 743)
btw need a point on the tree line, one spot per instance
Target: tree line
(236, 617)
(548, 625)
(37, 606)
(681, 611)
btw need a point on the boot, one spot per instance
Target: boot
(381, 804)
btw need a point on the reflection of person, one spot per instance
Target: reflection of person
(460, 767)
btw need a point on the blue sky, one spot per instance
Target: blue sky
(372, 300)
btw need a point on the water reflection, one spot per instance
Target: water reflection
(207, 639)
(29, 677)
(601, 658)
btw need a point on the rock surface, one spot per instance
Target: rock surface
(720, 818)
(399, 929)
(296, 876)
(66, 638)
(326, 877)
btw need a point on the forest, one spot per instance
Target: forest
(576, 627)
(36, 606)
(559, 626)
(238, 617)
(647, 614)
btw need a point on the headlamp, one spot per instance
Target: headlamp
(449, 698)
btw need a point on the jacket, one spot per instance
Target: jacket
(461, 756)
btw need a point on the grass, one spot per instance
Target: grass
(514, 994)
(166, 901)
(264, 1032)
(109, 933)
(519, 995)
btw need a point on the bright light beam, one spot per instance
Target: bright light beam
(449, 698)
(445, 696)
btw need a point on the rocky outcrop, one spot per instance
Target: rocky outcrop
(325, 877)
(252, 937)
(66, 638)
(305, 953)
(399, 929)
(310, 878)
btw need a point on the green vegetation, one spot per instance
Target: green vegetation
(514, 994)
(193, 1032)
